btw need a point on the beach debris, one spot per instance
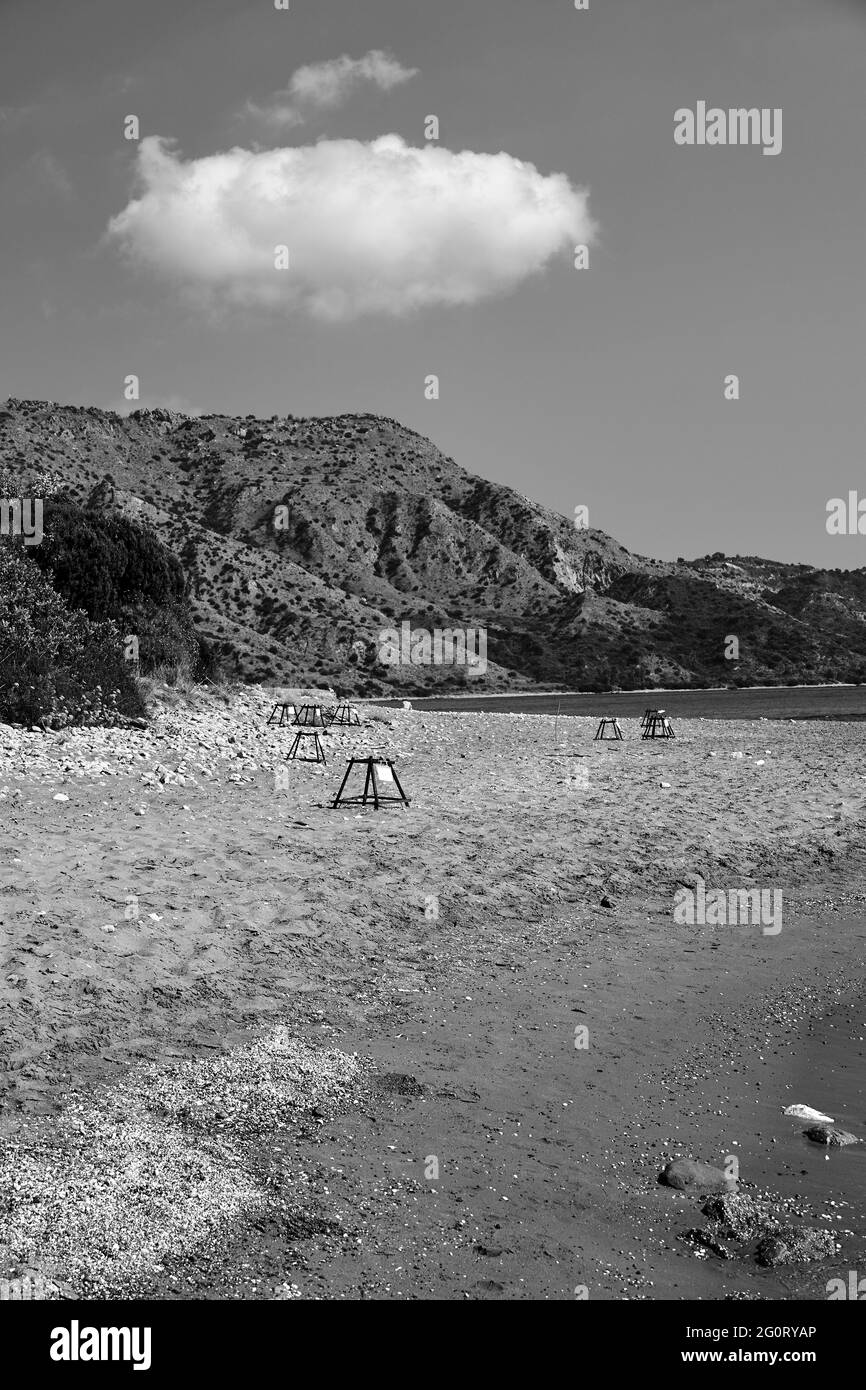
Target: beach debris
(829, 1135)
(692, 1175)
(60, 796)
(794, 1244)
(805, 1112)
(665, 784)
(738, 755)
(407, 704)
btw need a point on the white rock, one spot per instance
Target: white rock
(805, 1112)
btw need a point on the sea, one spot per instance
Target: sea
(757, 702)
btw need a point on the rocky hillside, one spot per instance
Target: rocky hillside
(304, 539)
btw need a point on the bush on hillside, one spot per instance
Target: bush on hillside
(113, 567)
(101, 562)
(56, 666)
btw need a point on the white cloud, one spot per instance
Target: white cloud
(377, 227)
(325, 86)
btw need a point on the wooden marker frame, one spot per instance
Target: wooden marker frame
(303, 720)
(285, 718)
(372, 785)
(601, 734)
(345, 713)
(292, 755)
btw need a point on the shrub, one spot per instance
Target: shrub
(115, 568)
(103, 563)
(56, 666)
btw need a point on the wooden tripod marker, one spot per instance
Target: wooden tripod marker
(601, 731)
(345, 714)
(287, 714)
(302, 734)
(312, 715)
(378, 770)
(658, 725)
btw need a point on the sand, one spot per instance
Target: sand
(180, 907)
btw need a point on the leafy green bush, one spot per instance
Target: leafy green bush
(113, 567)
(102, 563)
(56, 666)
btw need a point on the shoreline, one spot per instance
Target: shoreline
(563, 1191)
(575, 694)
(826, 703)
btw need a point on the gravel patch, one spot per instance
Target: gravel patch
(156, 1167)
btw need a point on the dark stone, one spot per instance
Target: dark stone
(691, 1175)
(706, 1241)
(828, 1134)
(794, 1244)
(738, 1217)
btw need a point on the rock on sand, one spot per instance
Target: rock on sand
(795, 1244)
(805, 1112)
(691, 1175)
(827, 1134)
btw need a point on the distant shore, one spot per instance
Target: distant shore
(780, 702)
(638, 690)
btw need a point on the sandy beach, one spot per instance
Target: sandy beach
(340, 1048)
(339, 1045)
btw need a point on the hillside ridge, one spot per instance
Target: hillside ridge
(304, 538)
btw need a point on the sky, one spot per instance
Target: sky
(406, 258)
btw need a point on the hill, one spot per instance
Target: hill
(302, 540)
